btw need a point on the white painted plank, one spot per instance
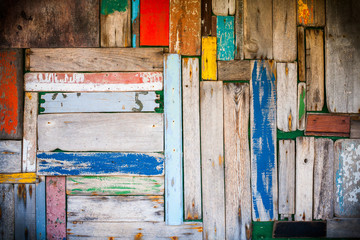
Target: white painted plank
(301, 106)
(10, 156)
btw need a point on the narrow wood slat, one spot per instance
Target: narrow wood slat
(10, 155)
(301, 53)
(239, 29)
(327, 125)
(237, 164)
(225, 38)
(206, 15)
(301, 106)
(135, 23)
(213, 26)
(18, 178)
(7, 209)
(233, 70)
(223, 7)
(299, 229)
(355, 127)
(343, 228)
(311, 13)
(212, 158)
(25, 227)
(40, 206)
(208, 59)
(99, 163)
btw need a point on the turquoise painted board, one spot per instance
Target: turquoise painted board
(225, 38)
(135, 22)
(25, 211)
(263, 141)
(173, 140)
(40, 209)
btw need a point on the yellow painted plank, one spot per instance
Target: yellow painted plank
(208, 60)
(18, 178)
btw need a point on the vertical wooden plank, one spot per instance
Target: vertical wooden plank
(40, 209)
(284, 30)
(206, 16)
(185, 27)
(258, 29)
(324, 179)
(173, 140)
(301, 106)
(286, 178)
(304, 178)
(135, 23)
(239, 29)
(10, 156)
(237, 161)
(208, 59)
(355, 127)
(154, 23)
(263, 141)
(213, 26)
(25, 211)
(212, 156)
(7, 210)
(223, 7)
(30, 137)
(191, 131)
(311, 13)
(301, 53)
(55, 208)
(225, 38)
(11, 93)
(314, 69)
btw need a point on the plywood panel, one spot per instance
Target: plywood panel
(25, 227)
(7, 209)
(311, 13)
(208, 59)
(225, 38)
(10, 155)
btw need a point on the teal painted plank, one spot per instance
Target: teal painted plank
(40, 209)
(25, 211)
(135, 21)
(173, 140)
(225, 38)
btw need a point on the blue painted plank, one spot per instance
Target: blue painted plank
(135, 21)
(99, 163)
(225, 38)
(173, 140)
(40, 210)
(263, 141)
(25, 211)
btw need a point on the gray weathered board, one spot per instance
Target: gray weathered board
(355, 127)
(343, 228)
(223, 7)
(25, 221)
(7, 210)
(10, 156)
(101, 132)
(239, 29)
(233, 70)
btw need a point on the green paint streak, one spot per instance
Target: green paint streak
(160, 109)
(110, 6)
(73, 180)
(289, 135)
(302, 105)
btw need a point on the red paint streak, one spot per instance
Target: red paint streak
(8, 93)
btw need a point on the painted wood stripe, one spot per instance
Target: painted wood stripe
(208, 58)
(225, 38)
(18, 178)
(25, 222)
(327, 125)
(301, 106)
(10, 155)
(41, 209)
(7, 209)
(135, 21)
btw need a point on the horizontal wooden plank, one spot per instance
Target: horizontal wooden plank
(343, 228)
(135, 132)
(10, 155)
(95, 59)
(114, 185)
(99, 163)
(94, 82)
(327, 125)
(233, 70)
(299, 229)
(128, 208)
(18, 178)
(134, 230)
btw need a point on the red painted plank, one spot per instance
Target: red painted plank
(154, 22)
(327, 125)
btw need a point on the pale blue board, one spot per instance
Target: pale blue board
(263, 141)
(40, 210)
(135, 10)
(25, 211)
(225, 38)
(173, 140)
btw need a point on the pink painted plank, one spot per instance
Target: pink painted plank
(55, 208)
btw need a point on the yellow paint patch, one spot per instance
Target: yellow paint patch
(208, 58)
(28, 95)
(220, 160)
(290, 122)
(138, 236)
(199, 229)
(174, 238)
(304, 13)
(18, 178)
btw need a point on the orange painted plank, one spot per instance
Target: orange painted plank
(327, 125)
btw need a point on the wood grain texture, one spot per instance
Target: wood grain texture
(115, 23)
(99, 163)
(119, 132)
(51, 23)
(212, 158)
(191, 139)
(237, 161)
(55, 208)
(314, 69)
(311, 13)
(239, 29)
(323, 179)
(286, 87)
(233, 70)
(302, 229)
(185, 27)
(208, 58)
(18, 178)
(258, 29)
(95, 59)
(301, 53)
(346, 180)
(25, 227)
(206, 15)
(304, 178)
(135, 23)
(11, 93)
(284, 30)
(263, 141)
(355, 127)
(223, 7)
(343, 228)
(40, 211)
(327, 125)
(213, 26)
(7, 209)
(10, 155)
(128, 208)
(301, 106)
(225, 38)
(342, 56)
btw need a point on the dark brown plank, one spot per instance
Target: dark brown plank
(299, 229)
(206, 24)
(234, 70)
(301, 52)
(327, 125)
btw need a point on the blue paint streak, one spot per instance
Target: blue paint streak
(135, 9)
(97, 163)
(40, 211)
(225, 38)
(339, 184)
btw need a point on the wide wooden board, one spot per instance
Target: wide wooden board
(135, 23)
(301, 106)
(208, 58)
(7, 209)
(343, 228)
(239, 29)
(310, 229)
(25, 222)
(301, 53)
(18, 178)
(311, 13)
(10, 155)
(40, 205)
(233, 70)
(225, 38)
(223, 7)
(327, 125)
(206, 15)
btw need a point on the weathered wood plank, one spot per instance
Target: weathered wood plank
(223, 7)
(346, 178)
(239, 29)
(258, 29)
(18, 178)
(304, 178)
(119, 132)
(301, 106)
(51, 23)
(212, 156)
(286, 178)
(206, 15)
(25, 226)
(191, 140)
(115, 23)
(213, 25)
(95, 59)
(237, 164)
(225, 38)
(99, 163)
(11, 93)
(185, 27)
(154, 22)
(99, 102)
(314, 69)
(355, 127)
(55, 208)
(7, 209)
(286, 86)
(233, 70)
(342, 54)
(135, 23)
(208, 59)
(299, 229)
(128, 208)
(134, 230)
(263, 141)
(115, 185)
(323, 179)
(10, 155)
(327, 125)
(40, 200)
(311, 13)
(343, 228)
(301, 53)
